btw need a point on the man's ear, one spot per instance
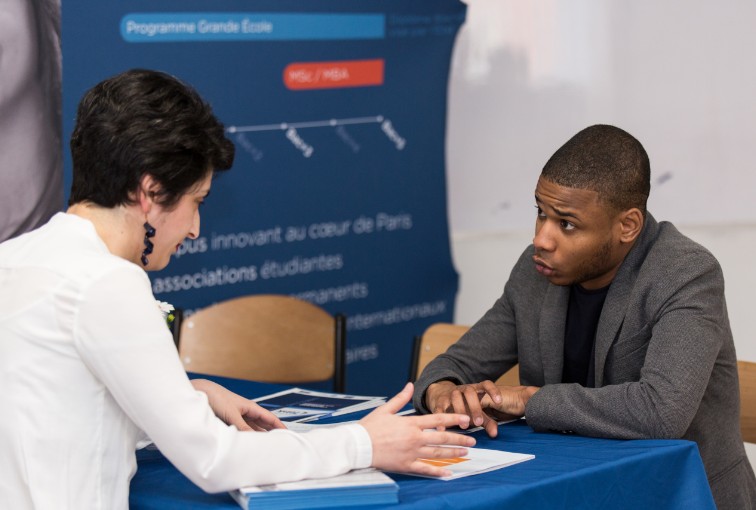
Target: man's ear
(631, 225)
(148, 188)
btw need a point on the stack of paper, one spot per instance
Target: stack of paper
(359, 487)
(297, 404)
(477, 460)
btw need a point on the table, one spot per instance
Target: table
(568, 472)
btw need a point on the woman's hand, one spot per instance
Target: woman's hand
(399, 442)
(242, 413)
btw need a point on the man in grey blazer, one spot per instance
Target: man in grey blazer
(618, 322)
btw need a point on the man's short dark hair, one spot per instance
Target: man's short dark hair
(607, 160)
(144, 122)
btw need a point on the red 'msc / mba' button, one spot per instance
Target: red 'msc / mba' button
(329, 75)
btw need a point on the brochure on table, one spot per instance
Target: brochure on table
(359, 487)
(305, 426)
(299, 405)
(477, 460)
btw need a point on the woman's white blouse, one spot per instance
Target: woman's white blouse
(87, 363)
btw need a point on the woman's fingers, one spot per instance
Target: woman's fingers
(441, 452)
(441, 421)
(435, 438)
(431, 460)
(398, 401)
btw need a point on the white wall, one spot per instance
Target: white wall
(526, 76)
(678, 75)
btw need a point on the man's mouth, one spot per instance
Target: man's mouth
(542, 267)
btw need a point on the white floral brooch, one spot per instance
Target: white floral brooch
(167, 310)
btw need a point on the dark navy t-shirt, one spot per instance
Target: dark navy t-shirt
(583, 315)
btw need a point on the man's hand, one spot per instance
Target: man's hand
(446, 397)
(485, 403)
(236, 410)
(512, 403)
(399, 441)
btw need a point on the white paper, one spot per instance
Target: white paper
(477, 460)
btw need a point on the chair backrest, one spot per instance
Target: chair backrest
(436, 339)
(268, 338)
(747, 377)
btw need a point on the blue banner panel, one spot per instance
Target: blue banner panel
(338, 193)
(235, 26)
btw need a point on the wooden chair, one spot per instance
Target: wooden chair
(268, 338)
(747, 377)
(436, 339)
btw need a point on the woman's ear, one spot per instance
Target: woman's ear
(631, 225)
(148, 189)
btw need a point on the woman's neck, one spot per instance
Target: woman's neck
(120, 228)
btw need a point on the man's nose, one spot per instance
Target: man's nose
(544, 239)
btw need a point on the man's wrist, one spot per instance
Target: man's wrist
(528, 394)
(431, 389)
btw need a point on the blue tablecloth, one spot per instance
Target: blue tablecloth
(568, 472)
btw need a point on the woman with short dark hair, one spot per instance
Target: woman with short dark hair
(87, 364)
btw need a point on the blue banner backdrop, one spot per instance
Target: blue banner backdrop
(338, 193)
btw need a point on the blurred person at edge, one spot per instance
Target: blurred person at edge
(31, 166)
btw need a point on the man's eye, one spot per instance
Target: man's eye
(566, 225)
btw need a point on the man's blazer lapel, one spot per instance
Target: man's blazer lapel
(612, 316)
(551, 332)
(615, 306)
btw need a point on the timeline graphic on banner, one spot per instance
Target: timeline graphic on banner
(337, 195)
(307, 150)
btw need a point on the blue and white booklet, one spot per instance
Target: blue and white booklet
(300, 405)
(358, 487)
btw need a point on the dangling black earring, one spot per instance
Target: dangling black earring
(149, 231)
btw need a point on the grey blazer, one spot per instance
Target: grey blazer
(664, 356)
